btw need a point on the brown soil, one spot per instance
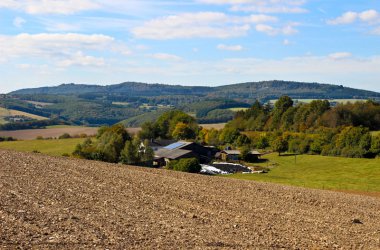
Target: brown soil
(31, 134)
(59, 203)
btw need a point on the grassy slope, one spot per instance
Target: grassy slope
(50, 147)
(9, 112)
(321, 172)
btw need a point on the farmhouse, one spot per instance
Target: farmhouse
(233, 155)
(182, 150)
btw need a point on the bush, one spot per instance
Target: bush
(356, 152)
(65, 136)
(7, 139)
(190, 165)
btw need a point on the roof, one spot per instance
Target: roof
(160, 143)
(177, 145)
(232, 152)
(172, 154)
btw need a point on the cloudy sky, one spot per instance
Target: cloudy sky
(189, 42)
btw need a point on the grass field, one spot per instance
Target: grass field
(49, 147)
(321, 172)
(238, 109)
(9, 112)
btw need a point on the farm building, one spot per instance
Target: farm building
(233, 155)
(158, 144)
(181, 150)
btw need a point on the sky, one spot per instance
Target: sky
(190, 42)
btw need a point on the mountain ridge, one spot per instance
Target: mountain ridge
(257, 90)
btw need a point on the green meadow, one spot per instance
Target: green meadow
(49, 147)
(320, 172)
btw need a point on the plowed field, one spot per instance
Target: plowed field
(58, 203)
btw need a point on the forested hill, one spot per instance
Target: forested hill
(244, 91)
(129, 88)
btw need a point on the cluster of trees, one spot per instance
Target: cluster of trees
(114, 144)
(285, 116)
(173, 124)
(354, 142)
(31, 124)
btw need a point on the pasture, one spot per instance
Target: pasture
(238, 109)
(49, 147)
(320, 172)
(10, 112)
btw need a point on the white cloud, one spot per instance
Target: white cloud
(230, 47)
(199, 25)
(376, 31)
(262, 6)
(368, 16)
(79, 59)
(61, 49)
(166, 57)
(340, 55)
(286, 42)
(272, 31)
(346, 18)
(50, 6)
(18, 22)
(62, 27)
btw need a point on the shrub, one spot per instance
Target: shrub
(65, 136)
(190, 165)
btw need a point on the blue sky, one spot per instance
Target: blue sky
(191, 42)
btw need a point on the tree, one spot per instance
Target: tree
(183, 131)
(279, 145)
(212, 137)
(148, 131)
(130, 154)
(375, 145)
(263, 142)
(167, 122)
(190, 165)
(244, 153)
(229, 135)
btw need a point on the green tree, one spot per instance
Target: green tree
(244, 153)
(190, 165)
(279, 145)
(183, 131)
(130, 154)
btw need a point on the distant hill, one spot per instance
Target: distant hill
(264, 91)
(134, 103)
(130, 88)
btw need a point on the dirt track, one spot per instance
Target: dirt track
(58, 203)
